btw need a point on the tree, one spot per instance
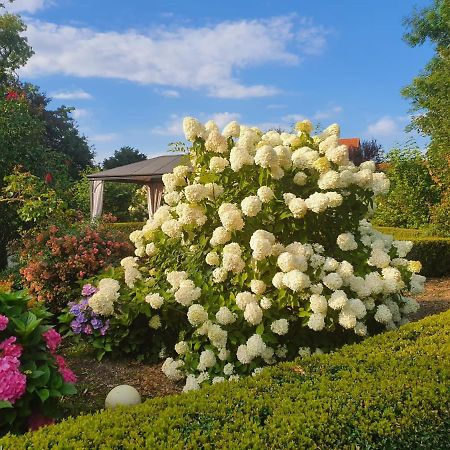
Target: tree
(430, 91)
(61, 133)
(14, 48)
(123, 156)
(368, 151)
(412, 194)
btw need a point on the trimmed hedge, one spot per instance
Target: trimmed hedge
(126, 227)
(434, 254)
(389, 392)
(404, 234)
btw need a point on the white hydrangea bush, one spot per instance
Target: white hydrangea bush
(263, 252)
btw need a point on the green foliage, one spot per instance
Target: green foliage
(389, 392)
(14, 48)
(123, 156)
(429, 95)
(47, 377)
(434, 253)
(412, 193)
(402, 234)
(126, 227)
(138, 208)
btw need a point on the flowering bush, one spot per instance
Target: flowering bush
(263, 252)
(55, 260)
(32, 374)
(111, 323)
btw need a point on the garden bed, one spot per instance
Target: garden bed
(96, 379)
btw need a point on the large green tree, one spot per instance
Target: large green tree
(123, 156)
(429, 92)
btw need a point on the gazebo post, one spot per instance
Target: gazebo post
(96, 198)
(154, 196)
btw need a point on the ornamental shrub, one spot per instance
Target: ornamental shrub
(33, 376)
(263, 249)
(389, 392)
(55, 260)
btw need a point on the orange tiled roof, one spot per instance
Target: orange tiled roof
(350, 142)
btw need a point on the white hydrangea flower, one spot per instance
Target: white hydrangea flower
(223, 354)
(253, 313)
(155, 322)
(228, 369)
(300, 178)
(224, 316)
(318, 303)
(347, 318)
(155, 300)
(193, 129)
(172, 228)
(403, 247)
(332, 281)
(298, 207)
(231, 217)
(317, 202)
(231, 130)
(255, 346)
(243, 355)
(360, 329)
(330, 264)
(102, 303)
(265, 194)
(212, 258)
(220, 236)
(217, 336)
(383, 314)
(296, 281)
(316, 322)
(346, 242)
(304, 351)
(280, 326)
(187, 293)
(171, 368)
(265, 303)
(358, 308)
(195, 193)
(197, 315)
(277, 280)
(219, 275)
(251, 205)
(338, 300)
(266, 157)
(379, 258)
(191, 384)
(175, 278)
(182, 347)
(232, 258)
(257, 286)
(216, 142)
(207, 360)
(151, 249)
(218, 164)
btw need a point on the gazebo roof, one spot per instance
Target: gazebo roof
(139, 172)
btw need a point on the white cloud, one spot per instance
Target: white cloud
(29, 6)
(386, 126)
(78, 94)
(207, 58)
(327, 113)
(174, 126)
(107, 137)
(170, 93)
(290, 118)
(80, 113)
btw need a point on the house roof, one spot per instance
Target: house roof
(140, 172)
(350, 142)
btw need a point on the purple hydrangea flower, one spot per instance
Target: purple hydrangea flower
(96, 323)
(81, 318)
(88, 290)
(87, 329)
(76, 327)
(104, 329)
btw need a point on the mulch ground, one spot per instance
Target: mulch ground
(96, 379)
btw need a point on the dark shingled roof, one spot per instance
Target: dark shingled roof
(140, 172)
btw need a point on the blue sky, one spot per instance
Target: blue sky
(134, 69)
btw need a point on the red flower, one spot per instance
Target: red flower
(48, 178)
(12, 95)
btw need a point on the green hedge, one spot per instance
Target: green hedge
(389, 392)
(434, 253)
(404, 234)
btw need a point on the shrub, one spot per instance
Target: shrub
(262, 251)
(55, 260)
(33, 376)
(126, 227)
(390, 392)
(434, 254)
(126, 332)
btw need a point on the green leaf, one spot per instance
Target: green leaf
(43, 394)
(4, 404)
(260, 329)
(68, 389)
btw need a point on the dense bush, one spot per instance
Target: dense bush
(262, 251)
(55, 260)
(389, 392)
(33, 376)
(413, 191)
(129, 331)
(434, 254)
(126, 227)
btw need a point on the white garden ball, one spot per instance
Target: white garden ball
(122, 395)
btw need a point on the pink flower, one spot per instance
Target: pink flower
(3, 322)
(52, 339)
(9, 348)
(14, 382)
(66, 373)
(38, 420)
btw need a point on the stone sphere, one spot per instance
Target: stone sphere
(122, 395)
